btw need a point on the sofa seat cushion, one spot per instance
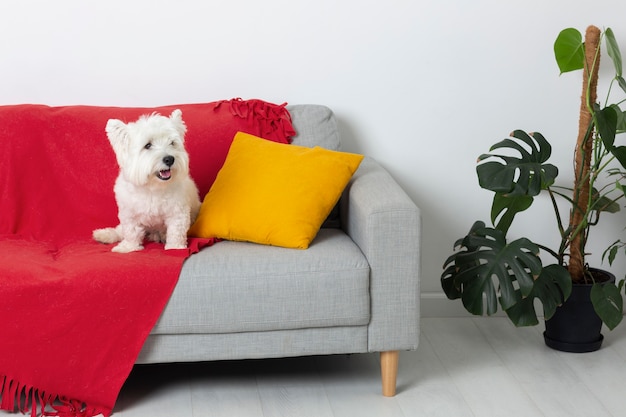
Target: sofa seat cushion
(239, 287)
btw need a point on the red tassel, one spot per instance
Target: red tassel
(8, 394)
(12, 391)
(270, 117)
(35, 401)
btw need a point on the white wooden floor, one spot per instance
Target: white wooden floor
(463, 367)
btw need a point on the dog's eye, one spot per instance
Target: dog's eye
(148, 145)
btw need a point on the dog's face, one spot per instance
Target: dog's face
(150, 150)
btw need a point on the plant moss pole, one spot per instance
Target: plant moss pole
(584, 146)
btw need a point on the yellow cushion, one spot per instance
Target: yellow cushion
(274, 194)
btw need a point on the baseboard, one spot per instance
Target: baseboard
(435, 304)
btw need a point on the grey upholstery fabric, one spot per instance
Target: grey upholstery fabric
(241, 287)
(254, 345)
(356, 289)
(386, 224)
(315, 126)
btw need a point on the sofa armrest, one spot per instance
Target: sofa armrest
(386, 225)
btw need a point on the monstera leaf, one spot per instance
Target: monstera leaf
(552, 286)
(609, 122)
(608, 303)
(486, 269)
(616, 56)
(516, 180)
(606, 123)
(505, 207)
(569, 50)
(524, 175)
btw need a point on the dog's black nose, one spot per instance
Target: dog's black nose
(168, 160)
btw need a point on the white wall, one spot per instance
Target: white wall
(424, 86)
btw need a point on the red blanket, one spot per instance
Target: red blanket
(73, 314)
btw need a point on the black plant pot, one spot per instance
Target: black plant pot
(575, 326)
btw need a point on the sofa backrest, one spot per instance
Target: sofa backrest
(58, 170)
(315, 125)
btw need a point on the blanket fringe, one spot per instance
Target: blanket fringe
(16, 396)
(270, 117)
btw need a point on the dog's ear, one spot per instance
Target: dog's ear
(117, 133)
(177, 119)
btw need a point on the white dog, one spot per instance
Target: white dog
(155, 196)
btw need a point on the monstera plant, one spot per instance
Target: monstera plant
(489, 266)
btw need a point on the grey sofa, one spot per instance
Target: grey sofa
(355, 290)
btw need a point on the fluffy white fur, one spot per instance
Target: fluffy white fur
(155, 196)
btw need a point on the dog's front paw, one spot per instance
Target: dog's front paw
(169, 246)
(176, 240)
(125, 247)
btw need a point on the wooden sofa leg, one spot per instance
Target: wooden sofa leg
(389, 371)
